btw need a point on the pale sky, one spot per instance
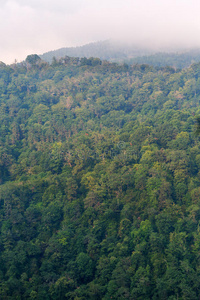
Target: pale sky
(38, 26)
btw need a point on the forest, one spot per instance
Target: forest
(106, 50)
(99, 181)
(179, 59)
(130, 54)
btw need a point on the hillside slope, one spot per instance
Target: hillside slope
(105, 50)
(131, 54)
(99, 181)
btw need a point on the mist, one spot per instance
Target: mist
(39, 26)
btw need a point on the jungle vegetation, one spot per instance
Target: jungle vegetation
(99, 181)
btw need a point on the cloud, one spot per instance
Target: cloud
(49, 5)
(38, 26)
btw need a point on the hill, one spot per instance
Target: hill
(179, 59)
(99, 181)
(105, 50)
(131, 54)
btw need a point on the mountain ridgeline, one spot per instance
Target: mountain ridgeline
(105, 50)
(99, 180)
(130, 54)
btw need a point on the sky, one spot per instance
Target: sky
(37, 26)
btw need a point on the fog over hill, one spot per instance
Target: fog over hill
(106, 50)
(129, 53)
(40, 26)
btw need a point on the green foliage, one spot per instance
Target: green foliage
(33, 59)
(99, 181)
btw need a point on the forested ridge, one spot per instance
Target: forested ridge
(99, 181)
(105, 50)
(130, 54)
(179, 59)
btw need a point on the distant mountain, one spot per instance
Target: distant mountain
(105, 50)
(178, 59)
(131, 54)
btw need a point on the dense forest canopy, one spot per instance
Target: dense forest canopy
(99, 181)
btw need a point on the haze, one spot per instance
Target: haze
(33, 26)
